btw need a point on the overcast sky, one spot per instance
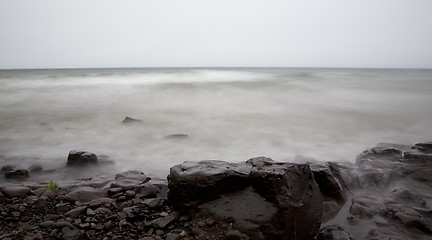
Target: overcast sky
(215, 33)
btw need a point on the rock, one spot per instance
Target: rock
(15, 191)
(391, 233)
(74, 213)
(81, 158)
(267, 199)
(62, 208)
(74, 235)
(408, 196)
(85, 194)
(47, 224)
(99, 202)
(177, 136)
(379, 157)
(129, 120)
(412, 219)
(35, 168)
(192, 183)
(17, 174)
(163, 222)
(129, 180)
(130, 193)
(236, 235)
(333, 232)
(330, 186)
(33, 236)
(2, 198)
(172, 236)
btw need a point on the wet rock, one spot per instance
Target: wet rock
(17, 174)
(74, 235)
(81, 158)
(129, 120)
(408, 196)
(333, 232)
(411, 219)
(284, 200)
(47, 224)
(379, 157)
(15, 191)
(330, 186)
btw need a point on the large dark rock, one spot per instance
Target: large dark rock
(265, 199)
(81, 158)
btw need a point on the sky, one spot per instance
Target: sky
(222, 33)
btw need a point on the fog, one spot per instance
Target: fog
(229, 114)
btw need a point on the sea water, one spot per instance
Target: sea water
(231, 114)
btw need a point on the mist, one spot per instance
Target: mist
(229, 114)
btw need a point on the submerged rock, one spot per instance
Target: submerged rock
(128, 120)
(81, 158)
(17, 174)
(177, 136)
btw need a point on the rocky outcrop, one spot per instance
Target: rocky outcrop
(265, 199)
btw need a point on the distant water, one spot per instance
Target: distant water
(232, 114)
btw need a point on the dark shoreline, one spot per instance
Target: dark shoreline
(386, 193)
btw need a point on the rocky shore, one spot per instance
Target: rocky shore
(385, 194)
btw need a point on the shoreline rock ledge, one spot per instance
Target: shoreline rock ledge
(262, 198)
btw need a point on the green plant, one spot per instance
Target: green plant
(52, 186)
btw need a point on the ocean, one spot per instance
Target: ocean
(231, 114)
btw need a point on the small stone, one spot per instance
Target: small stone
(236, 235)
(2, 198)
(80, 158)
(75, 212)
(130, 193)
(121, 198)
(39, 203)
(172, 236)
(21, 208)
(159, 232)
(84, 225)
(65, 230)
(90, 212)
(128, 120)
(210, 221)
(109, 225)
(47, 224)
(162, 223)
(73, 234)
(115, 190)
(62, 208)
(33, 236)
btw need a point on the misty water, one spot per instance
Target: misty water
(230, 114)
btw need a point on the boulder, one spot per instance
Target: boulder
(265, 199)
(80, 158)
